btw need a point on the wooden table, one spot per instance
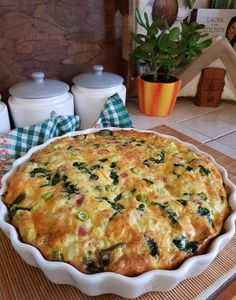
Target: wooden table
(19, 281)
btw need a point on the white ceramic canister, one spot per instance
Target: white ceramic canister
(34, 101)
(4, 118)
(91, 91)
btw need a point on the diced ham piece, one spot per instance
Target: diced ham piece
(79, 200)
(124, 175)
(62, 169)
(82, 231)
(198, 201)
(103, 151)
(163, 179)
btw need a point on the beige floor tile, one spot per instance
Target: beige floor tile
(191, 133)
(141, 121)
(187, 110)
(229, 139)
(222, 148)
(227, 114)
(209, 125)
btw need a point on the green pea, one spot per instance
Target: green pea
(82, 216)
(47, 196)
(142, 198)
(134, 170)
(110, 188)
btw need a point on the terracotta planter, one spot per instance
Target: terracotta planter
(157, 99)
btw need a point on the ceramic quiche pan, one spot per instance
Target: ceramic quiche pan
(108, 282)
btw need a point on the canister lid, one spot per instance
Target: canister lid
(39, 87)
(97, 79)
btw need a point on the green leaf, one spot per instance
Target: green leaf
(168, 62)
(192, 40)
(174, 34)
(137, 38)
(163, 40)
(196, 26)
(175, 51)
(190, 3)
(146, 47)
(138, 19)
(146, 19)
(140, 54)
(158, 22)
(195, 51)
(204, 44)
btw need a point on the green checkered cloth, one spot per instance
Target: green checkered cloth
(114, 114)
(17, 142)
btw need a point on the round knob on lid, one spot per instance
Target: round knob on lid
(38, 76)
(98, 69)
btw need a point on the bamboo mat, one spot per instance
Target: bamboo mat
(22, 282)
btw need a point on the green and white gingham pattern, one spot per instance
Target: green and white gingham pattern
(18, 141)
(114, 114)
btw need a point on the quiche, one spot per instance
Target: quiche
(120, 201)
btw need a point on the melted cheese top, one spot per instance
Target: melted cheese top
(121, 201)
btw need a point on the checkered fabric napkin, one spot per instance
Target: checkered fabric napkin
(114, 114)
(17, 142)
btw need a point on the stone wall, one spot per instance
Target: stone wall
(62, 38)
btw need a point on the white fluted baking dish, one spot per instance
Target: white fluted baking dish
(108, 282)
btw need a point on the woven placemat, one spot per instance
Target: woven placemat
(22, 282)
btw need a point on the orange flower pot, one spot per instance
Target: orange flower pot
(157, 99)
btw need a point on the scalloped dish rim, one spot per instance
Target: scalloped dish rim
(110, 282)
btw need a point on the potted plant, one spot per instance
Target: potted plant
(164, 50)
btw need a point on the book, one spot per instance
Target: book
(216, 21)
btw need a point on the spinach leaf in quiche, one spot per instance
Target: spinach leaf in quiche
(92, 266)
(82, 167)
(115, 177)
(104, 255)
(41, 172)
(141, 207)
(182, 201)
(56, 256)
(172, 215)
(118, 197)
(14, 208)
(203, 211)
(113, 164)
(148, 181)
(151, 160)
(19, 198)
(152, 245)
(103, 159)
(96, 167)
(204, 171)
(70, 188)
(102, 259)
(178, 165)
(183, 244)
(116, 206)
(56, 178)
(188, 168)
(105, 132)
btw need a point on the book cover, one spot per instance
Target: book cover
(218, 22)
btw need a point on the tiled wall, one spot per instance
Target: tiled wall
(59, 37)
